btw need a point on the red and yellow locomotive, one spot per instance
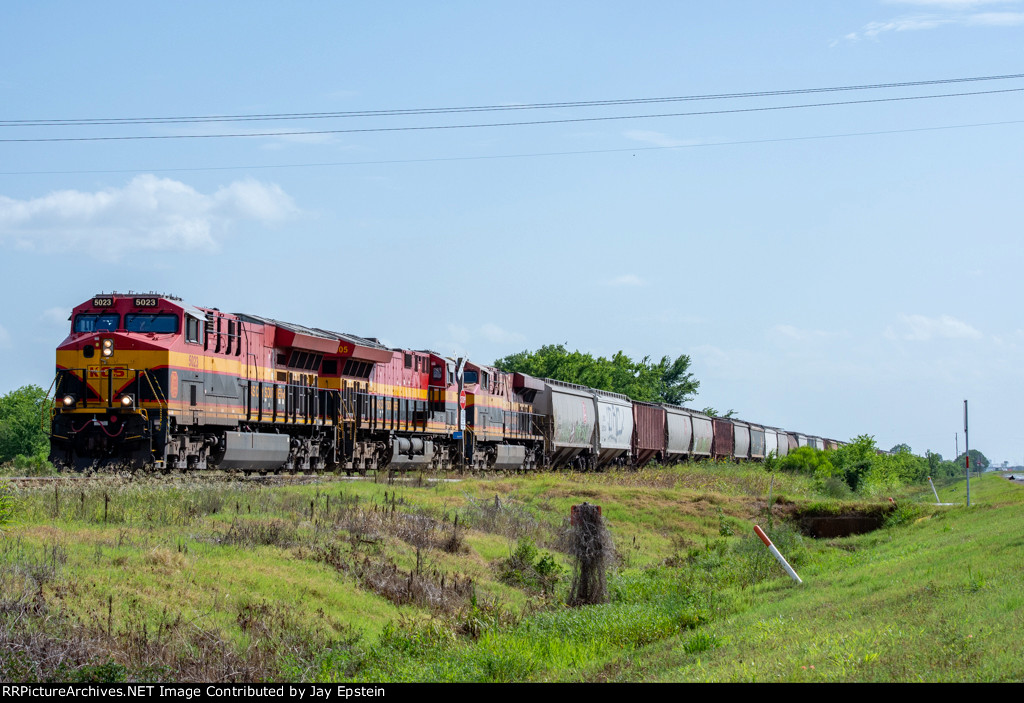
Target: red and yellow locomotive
(149, 381)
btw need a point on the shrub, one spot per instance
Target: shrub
(835, 487)
(527, 568)
(806, 460)
(700, 642)
(903, 514)
(6, 503)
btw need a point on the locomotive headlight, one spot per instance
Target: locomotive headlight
(108, 347)
(127, 401)
(68, 400)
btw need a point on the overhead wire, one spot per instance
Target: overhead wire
(770, 140)
(570, 120)
(488, 108)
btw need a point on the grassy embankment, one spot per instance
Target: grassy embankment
(376, 581)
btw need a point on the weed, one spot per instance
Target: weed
(700, 642)
(503, 517)
(455, 543)
(527, 568)
(6, 504)
(835, 487)
(724, 528)
(109, 672)
(254, 532)
(437, 591)
(906, 512)
(413, 637)
(975, 581)
(165, 560)
(482, 615)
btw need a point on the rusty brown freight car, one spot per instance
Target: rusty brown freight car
(722, 447)
(792, 440)
(648, 433)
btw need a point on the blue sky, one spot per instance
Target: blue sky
(834, 270)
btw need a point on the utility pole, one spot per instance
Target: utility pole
(967, 456)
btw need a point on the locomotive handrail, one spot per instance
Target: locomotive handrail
(48, 409)
(157, 394)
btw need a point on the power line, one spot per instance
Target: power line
(520, 156)
(484, 108)
(510, 124)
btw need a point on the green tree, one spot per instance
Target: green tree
(855, 460)
(21, 431)
(677, 383)
(711, 412)
(979, 462)
(939, 468)
(668, 381)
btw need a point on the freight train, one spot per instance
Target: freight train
(146, 381)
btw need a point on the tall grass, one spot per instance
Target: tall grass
(419, 581)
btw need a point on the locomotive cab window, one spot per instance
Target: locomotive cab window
(85, 322)
(468, 377)
(193, 329)
(162, 323)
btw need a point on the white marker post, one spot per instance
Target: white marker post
(775, 553)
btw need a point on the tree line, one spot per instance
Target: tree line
(22, 430)
(666, 381)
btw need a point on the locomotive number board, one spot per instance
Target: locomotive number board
(103, 302)
(146, 302)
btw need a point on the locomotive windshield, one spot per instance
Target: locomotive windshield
(162, 323)
(87, 322)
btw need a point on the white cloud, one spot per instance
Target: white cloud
(951, 4)
(918, 328)
(281, 141)
(905, 24)
(997, 19)
(459, 334)
(656, 138)
(492, 333)
(628, 279)
(58, 316)
(148, 213)
(460, 340)
(791, 333)
(946, 13)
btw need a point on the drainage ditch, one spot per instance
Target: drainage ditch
(821, 524)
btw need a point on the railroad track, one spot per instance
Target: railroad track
(272, 479)
(207, 477)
